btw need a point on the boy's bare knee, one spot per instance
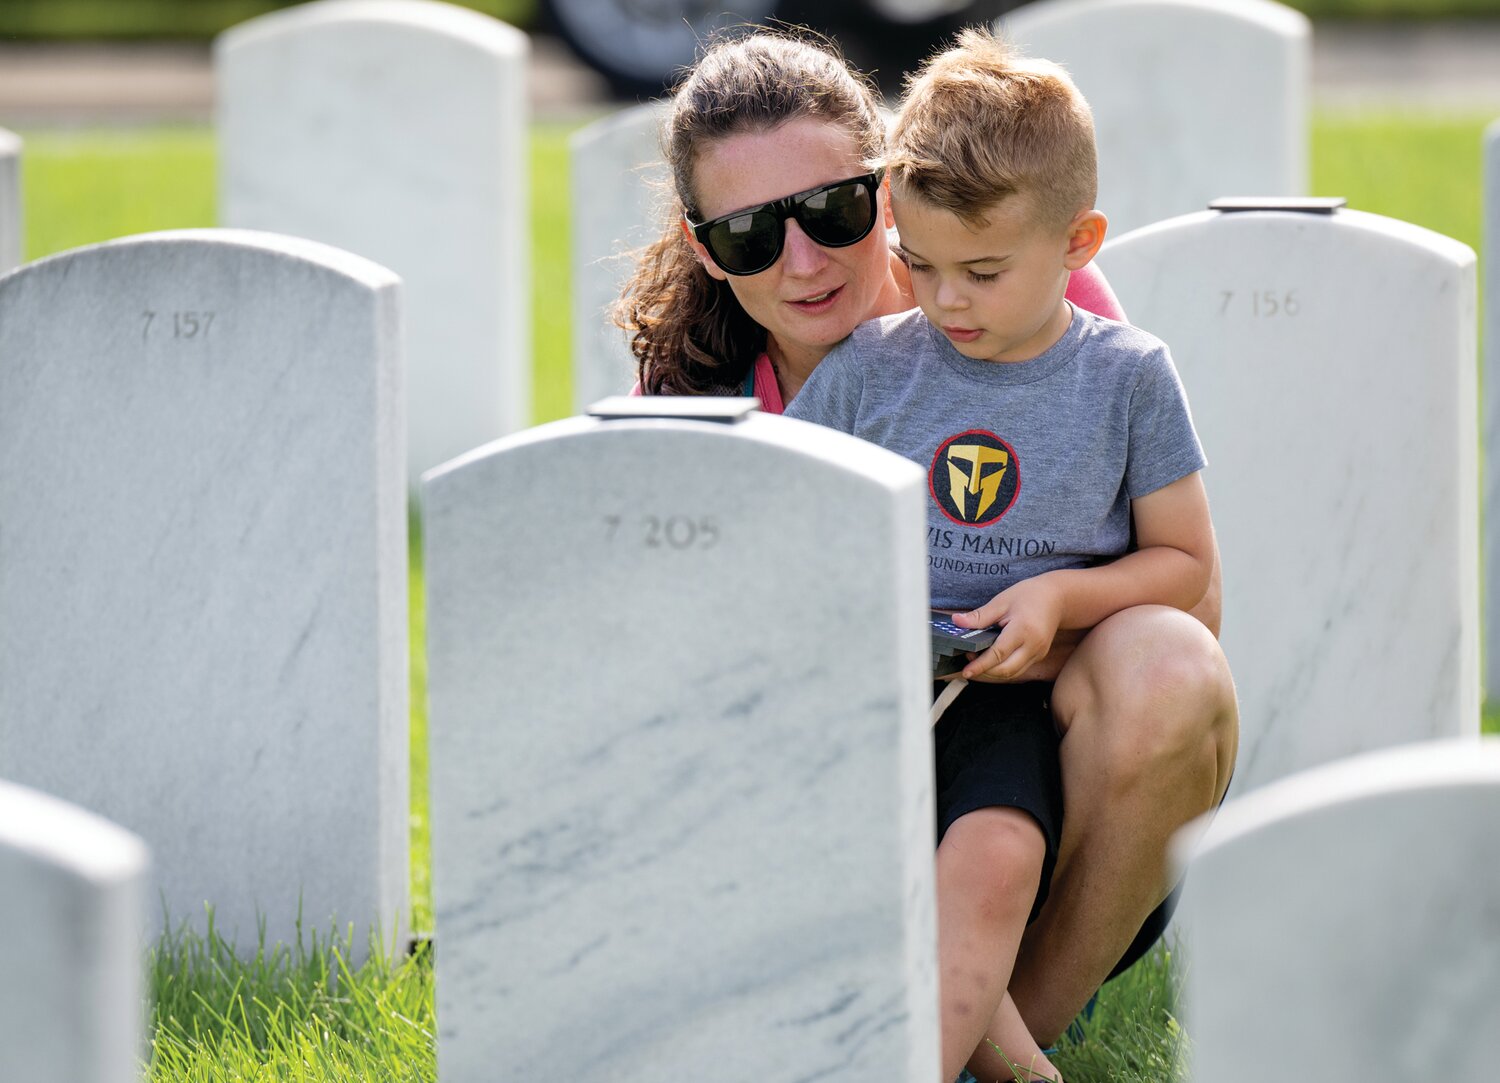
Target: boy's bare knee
(993, 857)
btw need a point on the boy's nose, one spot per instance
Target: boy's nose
(950, 297)
(800, 253)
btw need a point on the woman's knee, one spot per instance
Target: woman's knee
(1148, 685)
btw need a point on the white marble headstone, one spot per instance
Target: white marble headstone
(396, 129)
(682, 813)
(204, 569)
(1490, 336)
(618, 180)
(10, 200)
(1329, 362)
(72, 904)
(1344, 923)
(1192, 99)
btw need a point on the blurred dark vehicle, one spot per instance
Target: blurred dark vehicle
(641, 46)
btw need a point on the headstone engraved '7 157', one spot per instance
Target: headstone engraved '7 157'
(618, 178)
(1351, 911)
(72, 903)
(1192, 99)
(203, 569)
(1329, 361)
(396, 129)
(681, 766)
(1490, 311)
(10, 200)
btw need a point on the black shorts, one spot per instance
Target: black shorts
(996, 746)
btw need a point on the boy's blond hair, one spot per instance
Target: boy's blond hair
(980, 123)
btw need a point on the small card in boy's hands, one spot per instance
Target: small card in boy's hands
(950, 643)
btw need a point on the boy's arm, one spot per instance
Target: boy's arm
(1173, 566)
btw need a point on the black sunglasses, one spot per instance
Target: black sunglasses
(835, 215)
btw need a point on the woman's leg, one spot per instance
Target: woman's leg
(988, 867)
(1150, 727)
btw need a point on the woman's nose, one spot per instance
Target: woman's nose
(801, 254)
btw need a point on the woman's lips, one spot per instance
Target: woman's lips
(817, 302)
(962, 334)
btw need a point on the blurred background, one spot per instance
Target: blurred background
(114, 101)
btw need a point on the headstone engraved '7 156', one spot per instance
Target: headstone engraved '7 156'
(203, 569)
(72, 903)
(1351, 911)
(1490, 311)
(1329, 361)
(10, 200)
(618, 182)
(1192, 99)
(396, 129)
(681, 766)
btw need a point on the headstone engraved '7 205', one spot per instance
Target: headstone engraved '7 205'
(618, 181)
(1329, 362)
(72, 902)
(1351, 911)
(396, 129)
(669, 659)
(1192, 99)
(10, 200)
(203, 568)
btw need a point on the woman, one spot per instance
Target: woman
(729, 301)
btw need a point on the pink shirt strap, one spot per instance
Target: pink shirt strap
(1089, 289)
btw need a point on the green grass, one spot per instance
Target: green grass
(298, 1014)
(166, 19)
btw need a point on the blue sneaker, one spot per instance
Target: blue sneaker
(965, 1077)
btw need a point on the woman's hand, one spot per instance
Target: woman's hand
(1030, 612)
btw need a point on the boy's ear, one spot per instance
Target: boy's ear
(702, 253)
(1085, 238)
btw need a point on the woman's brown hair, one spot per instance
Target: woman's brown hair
(687, 330)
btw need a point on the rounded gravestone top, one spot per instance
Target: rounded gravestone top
(366, 272)
(10, 144)
(1267, 15)
(53, 832)
(448, 20)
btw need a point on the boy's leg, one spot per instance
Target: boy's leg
(1008, 1031)
(988, 867)
(1150, 727)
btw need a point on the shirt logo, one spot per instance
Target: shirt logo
(975, 478)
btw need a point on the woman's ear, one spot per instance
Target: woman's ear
(702, 253)
(1085, 238)
(887, 217)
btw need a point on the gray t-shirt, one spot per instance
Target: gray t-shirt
(1031, 465)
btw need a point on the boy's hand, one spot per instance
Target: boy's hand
(1030, 612)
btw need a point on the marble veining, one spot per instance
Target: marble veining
(73, 896)
(205, 573)
(618, 183)
(1295, 889)
(1164, 152)
(710, 847)
(397, 130)
(1329, 363)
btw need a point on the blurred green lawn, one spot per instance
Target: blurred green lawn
(86, 186)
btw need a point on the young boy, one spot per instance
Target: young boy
(1062, 465)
